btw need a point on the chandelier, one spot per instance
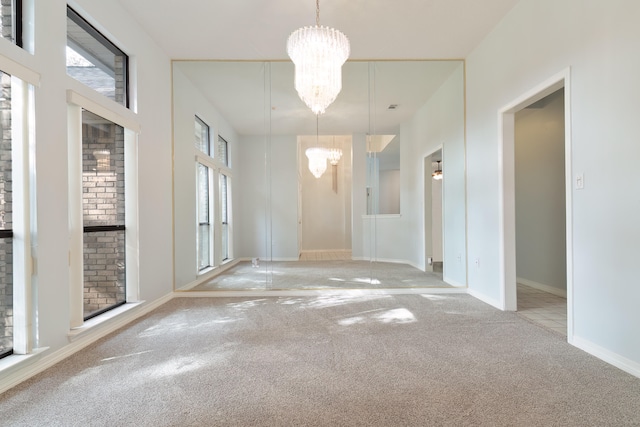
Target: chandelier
(437, 174)
(318, 54)
(317, 160)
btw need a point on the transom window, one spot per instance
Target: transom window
(11, 21)
(94, 61)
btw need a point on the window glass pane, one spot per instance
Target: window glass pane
(224, 213)
(103, 171)
(103, 204)
(204, 219)
(202, 136)
(94, 60)
(11, 21)
(223, 155)
(203, 194)
(104, 272)
(6, 295)
(6, 212)
(204, 246)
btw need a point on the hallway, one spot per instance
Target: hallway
(543, 308)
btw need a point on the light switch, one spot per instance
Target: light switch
(579, 181)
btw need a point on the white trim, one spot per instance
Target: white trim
(75, 220)
(21, 119)
(630, 366)
(17, 69)
(209, 274)
(506, 181)
(454, 283)
(104, 107)
(19, 375)
(131, 217)
(541, 286)
(381, 216)
(493, 302)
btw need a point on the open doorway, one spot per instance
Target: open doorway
(541, 268)
(536, 203)
(324, 199)
(433, 212)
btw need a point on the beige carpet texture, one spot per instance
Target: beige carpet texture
(328, 360)
(337, 274)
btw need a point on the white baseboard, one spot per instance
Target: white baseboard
(608, 356)
(211, 274)
(35, 365)
(453, 283)
(540, 286)
(495, 303)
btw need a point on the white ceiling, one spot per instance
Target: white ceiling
(258, 30)
(377, 29)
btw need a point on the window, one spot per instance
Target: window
(6, 223)
(205, 175)
(103, 206)
(11, 21)
(224, 216)
(223, 156)
(202, 136)
(94, 61)
(205, 229)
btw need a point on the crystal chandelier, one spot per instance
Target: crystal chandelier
(437, 174)
(318, 54)
(317, 160)
(334, 155)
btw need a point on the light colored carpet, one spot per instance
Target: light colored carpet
(329, 360)
(337, 274)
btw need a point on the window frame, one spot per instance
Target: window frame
(108, 44)
(76, 102)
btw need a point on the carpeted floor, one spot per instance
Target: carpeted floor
(336, 274)
(329, 360)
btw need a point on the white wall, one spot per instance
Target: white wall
(389, 192)
(153, 107)
(598, 41)
(266, 210)
(187, 104)
(440, 122)
(539, 196)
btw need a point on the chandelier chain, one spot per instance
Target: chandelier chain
(317, 13)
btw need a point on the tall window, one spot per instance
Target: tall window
(205, 226)
(11, 21)
(224, 215)
(6, 223)
(103, 201)
(93, 60)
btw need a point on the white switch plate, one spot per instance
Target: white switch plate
(579, 181)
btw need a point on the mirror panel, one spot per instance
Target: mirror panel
(367, 212)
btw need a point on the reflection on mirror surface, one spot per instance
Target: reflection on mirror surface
(280, 213)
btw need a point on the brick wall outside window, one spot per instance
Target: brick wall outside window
(6, 245)
(103, 204)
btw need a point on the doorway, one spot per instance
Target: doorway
(523, 252)
(324, 198)
(433, 212)
(540, 218)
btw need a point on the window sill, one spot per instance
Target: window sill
(18, 359)
(105, 319)
(381, 216)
